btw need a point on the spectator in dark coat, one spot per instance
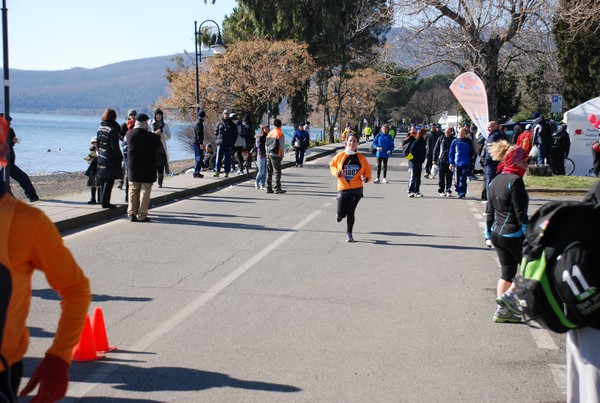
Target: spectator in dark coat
(110, 158)
(490, 166)
(561, 145)
(430, 139)
(16, 173)
(415, 164)
(225, 135)
(142, 148)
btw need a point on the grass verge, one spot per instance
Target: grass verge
(559, 182)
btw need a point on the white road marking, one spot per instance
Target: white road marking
(542, 338)
(559, 371)
(85, 386)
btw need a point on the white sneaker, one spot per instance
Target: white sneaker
(442, 194)
(418, 194)
(376, 180)
(384, 181)
(411, 195)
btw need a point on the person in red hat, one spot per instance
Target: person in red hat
(506, 214)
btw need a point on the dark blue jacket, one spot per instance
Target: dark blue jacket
(418, 150)
(461, 151)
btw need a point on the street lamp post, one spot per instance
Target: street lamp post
(218, 47)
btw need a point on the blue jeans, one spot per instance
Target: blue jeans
(543, 157)
(299, 154)
(261, 176)
(414, 183)
(198, 155)
(461, 179)
(223, 156)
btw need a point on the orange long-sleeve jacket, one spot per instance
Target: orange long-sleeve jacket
(337, 165)
(30, 241)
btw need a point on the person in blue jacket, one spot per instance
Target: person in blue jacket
(416, 158)
(384, 144)
(461, 151)
(300, 142)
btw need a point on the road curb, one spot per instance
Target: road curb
(83, 220)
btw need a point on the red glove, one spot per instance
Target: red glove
(53, 377)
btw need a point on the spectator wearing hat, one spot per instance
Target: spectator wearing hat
(125, 127)
(15, 172)
(162, 129)
(300, 142)
(142, 148)
(199, 144)
(225, 134)
(110, 158)
(92, 172)
(561, 145)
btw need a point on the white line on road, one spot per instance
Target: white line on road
(559, 371)
(81, 389)
(542, 338)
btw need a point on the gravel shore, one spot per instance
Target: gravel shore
(62, 184)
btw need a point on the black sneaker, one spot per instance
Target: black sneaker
(270, 191)
(280, 191)
(133, 218)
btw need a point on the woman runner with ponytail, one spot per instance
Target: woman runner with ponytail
(506, 211)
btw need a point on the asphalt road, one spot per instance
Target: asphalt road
(242, 296)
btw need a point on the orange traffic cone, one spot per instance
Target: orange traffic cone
(85, 350)
(99, 330)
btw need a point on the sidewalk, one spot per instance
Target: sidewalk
(71, 212)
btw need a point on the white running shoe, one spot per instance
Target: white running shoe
(376, 180)
(384, 181)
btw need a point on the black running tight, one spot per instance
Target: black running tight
(379, 161)
(346, 206)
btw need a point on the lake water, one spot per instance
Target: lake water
(59, 143)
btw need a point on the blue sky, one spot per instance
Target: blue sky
(62, 34)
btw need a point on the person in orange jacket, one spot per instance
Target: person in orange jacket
(29, 241)
(351, 170)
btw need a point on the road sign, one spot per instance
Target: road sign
(556, 104)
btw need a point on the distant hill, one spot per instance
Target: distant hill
(78, 91)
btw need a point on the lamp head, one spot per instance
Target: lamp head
(218, 47)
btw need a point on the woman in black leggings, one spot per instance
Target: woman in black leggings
(351, 170)
(506, 214)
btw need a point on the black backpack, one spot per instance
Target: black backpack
(406, 144)
(559, 280)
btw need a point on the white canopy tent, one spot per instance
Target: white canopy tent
(582, 134)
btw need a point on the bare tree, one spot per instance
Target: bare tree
(431, 102)
(487, 37)
(580, 15)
